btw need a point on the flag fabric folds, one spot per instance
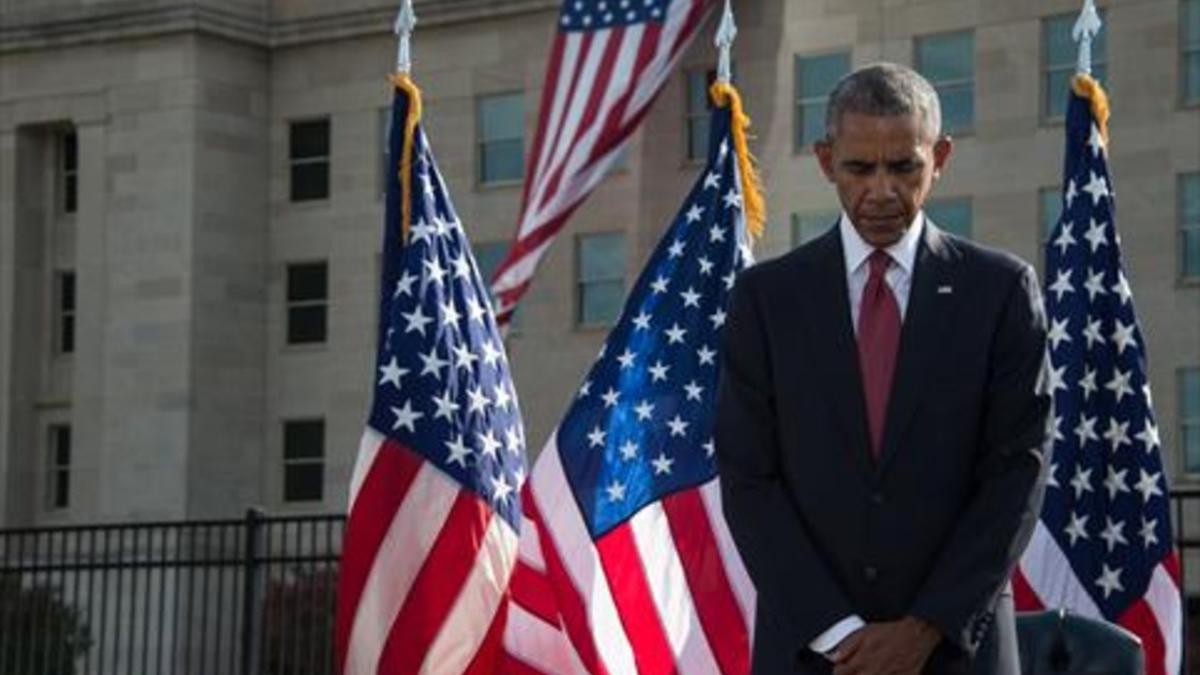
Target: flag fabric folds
(608, 61)
(1103, 547)
(626, 564)
(431, 537)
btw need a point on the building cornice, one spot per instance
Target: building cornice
(45, 29)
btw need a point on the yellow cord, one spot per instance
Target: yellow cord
(1087, 87)
(404, 83)
(754, 203)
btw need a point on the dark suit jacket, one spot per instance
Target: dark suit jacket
(934, 528)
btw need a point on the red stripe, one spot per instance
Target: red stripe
(599, 86)
(1024, 596)
(511, 665)
(712, 594)
(699, 10)
(570, 604)
(487, 659)
(382, 492)
(615, 130)
(531, 590)
(1171, 565)
(436, 586)
(549, 88)
(635, 604)
(1140, 619)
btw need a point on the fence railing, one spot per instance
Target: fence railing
(250, 596)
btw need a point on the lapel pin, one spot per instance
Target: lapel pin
(945, 290)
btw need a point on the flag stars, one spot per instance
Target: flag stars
(716, 234)
(406, 417)
(432, 364)
(1117, 434)
(1081, 482)
(694, 214)
(489, 445)
(1097, 188)
(733, 200)
(478, 401)
(585, 389)
(404, 285)
(662, 464)
(446, 406)
(1109, 580)
(1092, 333)
(1149, 436)
(416, 321)
(658, 372)
(1115, 482)
(1071, 193)
(675, 334)
(707, 356)
(1056, 376)
(729, 279)
(462, 267)
(1086, 430)
(626, 359)
(641, 321)
(676, 249)
(1148, 532)
(1065, 239)
(512, 441)
(615, 491)
(644, 411)
(1062, 285)
(694, 391)
(596, 437)
(458, 451)
(659, 285)
(1096, 141)
(706, 266)
(501, 396)
(450, 315)
(1119, 385)
(491, 354)
(1121, 288)
(1095, 284)
(475, 310)
(1096, 235)
(434, 271)
(1148, 485)
(1122, 337)
(678, 426)
(610, 398)
(1077, 528)
(712, 181)
(710, 448)
(501, 490)
(1088, 383)
(421, 232)
(464, 359)
(718, 318)
(690, 298)
(391, 373)
(629, 451)
(1058, 333)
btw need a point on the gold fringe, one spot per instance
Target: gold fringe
(755, 204)
(404, 83)
(1087, 87)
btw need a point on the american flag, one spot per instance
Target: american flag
(1103, 547)
(434, 509)
(626, 564)
(609, 60)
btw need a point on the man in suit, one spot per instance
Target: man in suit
(882, 415)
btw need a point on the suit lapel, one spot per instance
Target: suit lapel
(835, 351)
(932, 301)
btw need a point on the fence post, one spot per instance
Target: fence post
(250, 561)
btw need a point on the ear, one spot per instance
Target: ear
(941, 153)
(823, 149)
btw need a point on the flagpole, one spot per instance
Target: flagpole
(406, 21)
(1087, 26)
(726, 34)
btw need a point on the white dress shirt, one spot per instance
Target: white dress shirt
(899, 278)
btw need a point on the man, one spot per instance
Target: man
(881, 415)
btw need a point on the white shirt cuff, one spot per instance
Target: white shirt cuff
(830, 639)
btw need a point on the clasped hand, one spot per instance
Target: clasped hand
(888, 648)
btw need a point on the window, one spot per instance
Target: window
(952, 215)
(1189, 418)
(1049, 210)
(58, 467)
(501, 138)
(308, 153)
(65, 290)
(385, 131)
(809, 226)
(601, 278)
(1060, 54)
(1189, 226)
(1189, 46)
(948, 62)
(303, 460)
(815, 78)
(68, 171)
(698, 107)
(307, 302)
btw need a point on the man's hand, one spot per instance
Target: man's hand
(891, 648)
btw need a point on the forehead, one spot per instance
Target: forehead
(860, 134)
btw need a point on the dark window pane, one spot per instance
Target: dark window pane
(310, 181)
(958, 107)
(67, 291)
(62, 489)
(698, 82)
(1049, 210)
(952, 215)
(304, 439)
(809, 226)
(816, 75)
(307, 281)
(502, 118)
(947, 57)
(1190, 23)
(70, 151)
(306, 325)
(1189, 225)
(67, 336)
(1191, 253)
(309, 139)
(1058, 88)
(602, 257)
(303, 482)
(502, 161)
(62, 446)
(698, 132)
(70, 193)
(1191, 78)
(601, 303)
(811, 125)
(1189, 196)
(488, 256)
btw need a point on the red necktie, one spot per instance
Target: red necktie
(878, 342)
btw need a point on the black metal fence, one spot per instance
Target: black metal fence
(250, 596)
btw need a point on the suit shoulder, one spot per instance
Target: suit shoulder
(783, 268)
(984, 259)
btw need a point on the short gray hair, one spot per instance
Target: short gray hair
(885, 90)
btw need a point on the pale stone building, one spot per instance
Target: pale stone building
(190, 212)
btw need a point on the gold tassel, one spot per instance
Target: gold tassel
(755, 204)
(1087, 87)
(404, 83)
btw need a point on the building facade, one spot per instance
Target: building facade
(190, 211)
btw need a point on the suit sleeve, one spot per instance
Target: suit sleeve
(793, 584)
(992, 532)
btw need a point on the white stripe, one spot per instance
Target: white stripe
(663, 62)
(530, 548)
(1049, 573)
(481, 595)
(1163, 597)
(368, 448)
(520, 271)
(565, 137)
(579, 557)
(580, 151)
(566, 71)
(735, 569)
(539, 645)
(409, 538)
(669, 590)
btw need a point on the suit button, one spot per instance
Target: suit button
(877, 499)
(870, 573)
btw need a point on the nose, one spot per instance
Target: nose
(880, 187)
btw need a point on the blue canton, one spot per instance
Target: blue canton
(1106, 504)
(641, 425)
(586, 15)
(443, 387)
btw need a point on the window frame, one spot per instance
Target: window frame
(481, 143)
(954, 199)
(691, 117)
(800, 102)
(307, 303)
(1186, 421)
(57, 470)
(65, 312)
(1187, 49)
(1044, 232)
(1184, 228)
(313, 160)
(796, 223)
(1045, 70)
(67, 172)
(287, 461)
(943, 84)
(582, 284)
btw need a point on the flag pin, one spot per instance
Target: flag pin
(945, 290)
